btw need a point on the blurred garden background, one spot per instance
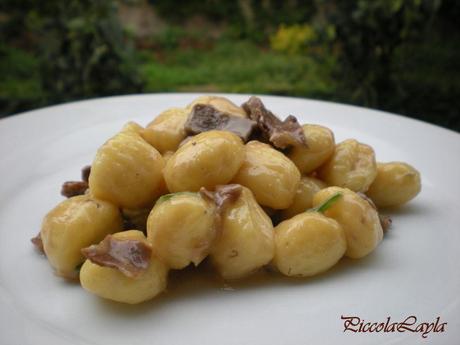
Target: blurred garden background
(401, 56)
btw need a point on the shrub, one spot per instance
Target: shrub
(368, 34)
(81, 47)
(292, 39)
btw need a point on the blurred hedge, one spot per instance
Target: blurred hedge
(396, 55)
(69, 50)
(401, 56)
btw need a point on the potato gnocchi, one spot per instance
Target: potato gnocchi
(233, 186)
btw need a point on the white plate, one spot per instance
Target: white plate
(415, 271)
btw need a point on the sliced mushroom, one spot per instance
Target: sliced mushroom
(205, 118)
(131, 257)
(280, 134)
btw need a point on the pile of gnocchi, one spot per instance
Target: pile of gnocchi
(232, 185)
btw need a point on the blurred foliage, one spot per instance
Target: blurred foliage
(246, 19)
(397, 55)
(80, 48)
(89, 51)
(428, 72)
(292, 39)
(20, 85)
(393, 55)
(368, 32)
(314, 40)
(239, 67)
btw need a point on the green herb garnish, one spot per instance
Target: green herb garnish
(169, 196)
(327, 204)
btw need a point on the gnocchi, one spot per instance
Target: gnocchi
(167, 155)
(396, 183)
(351, 166)
(358, 218)
(246, 240)
(181, 229)
(269, 174)
(209, 159)
(259, 192)
(308, 244)
(303, 199)
(321, 145)
(220, 103)
(166, 131)
(74, 224)
(127, 171)
(110, 283)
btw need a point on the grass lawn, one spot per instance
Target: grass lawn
(238, 66)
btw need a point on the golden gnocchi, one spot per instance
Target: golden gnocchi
(181, 229)
(233, 186)
(111, 283)
(308, 244)
(395, 184)
(74, 224)
(269, 174)
(246, 241)
(303, 199)
(320, 147)
(358, 218)
(208, 159)
(166, 131)
(220, 103)
(127, 171)
(351, 166)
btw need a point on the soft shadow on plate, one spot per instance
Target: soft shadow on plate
(197, 282)
(412, 209)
